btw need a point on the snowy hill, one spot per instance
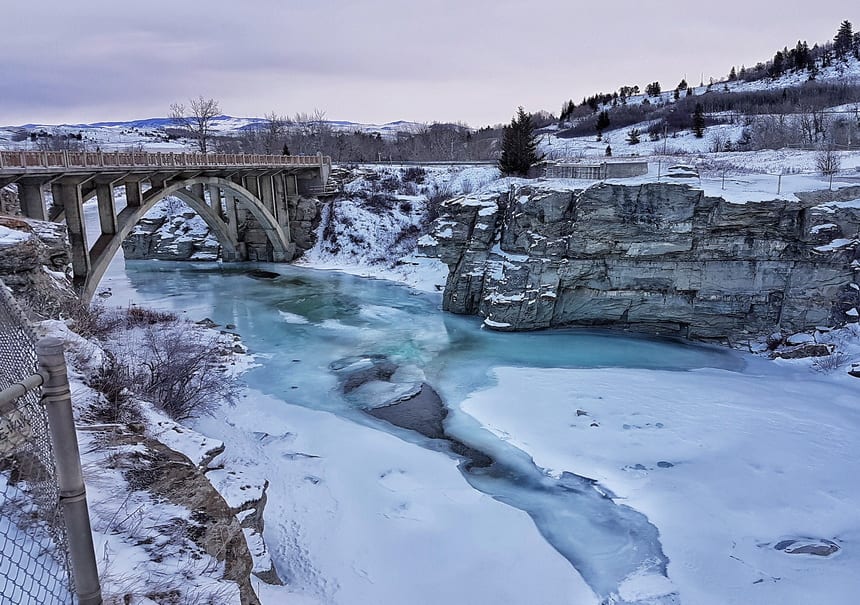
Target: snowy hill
(153, 133)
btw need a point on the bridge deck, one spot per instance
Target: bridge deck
(19, 163)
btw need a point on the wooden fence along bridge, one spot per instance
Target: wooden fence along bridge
(224, 189)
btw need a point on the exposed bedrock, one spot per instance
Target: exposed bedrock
(662, 258)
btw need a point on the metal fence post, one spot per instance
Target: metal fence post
(56, 398)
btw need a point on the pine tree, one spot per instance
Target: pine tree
(733, 75)
(602, 121)
(699, 121)
(778, 65)
(519, 145)
(844, 39)
(633, 136)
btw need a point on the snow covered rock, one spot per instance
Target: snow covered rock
(34, 257)
(165, 235)
(656, 257)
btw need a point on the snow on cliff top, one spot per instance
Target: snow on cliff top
(10, 237)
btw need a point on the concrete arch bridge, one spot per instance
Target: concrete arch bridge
(226, 190)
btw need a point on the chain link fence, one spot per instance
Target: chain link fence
(34, 554)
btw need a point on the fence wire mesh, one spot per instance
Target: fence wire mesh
(34, 560)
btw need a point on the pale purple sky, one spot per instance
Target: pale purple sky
(375, 60)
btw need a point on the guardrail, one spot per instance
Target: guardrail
(46, 543)
(28, 160)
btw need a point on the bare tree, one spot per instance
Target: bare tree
(274, 133)
(827, 161)
(197, 119)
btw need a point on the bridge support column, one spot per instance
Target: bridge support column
(267, 192)
(133, 195)
(198, 190)
(107, 208)
(215, 200)
(282, 205)
(68, 193)
(32, 200)
(251, 184)
(232, 219)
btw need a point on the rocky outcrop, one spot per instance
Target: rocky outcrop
(171, 233)
(662, 258)
(211, 525)
(34, 264)
(9, 202)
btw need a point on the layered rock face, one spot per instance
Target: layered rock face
(34, 264)
(661, 258)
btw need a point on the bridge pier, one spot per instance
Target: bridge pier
(107, 207)
(215, 201)
(67, 192)
(133, 194)
(31, 197)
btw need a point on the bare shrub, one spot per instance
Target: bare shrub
(827, 161)
(414, 174)
(437, 194)
(141, 316)
(179, 371)
(90, 320)
(830, 363)
(116, 404)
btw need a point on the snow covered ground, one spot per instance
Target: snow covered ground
(355, 515)
(726, 465)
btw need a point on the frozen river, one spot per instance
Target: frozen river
(313, 330)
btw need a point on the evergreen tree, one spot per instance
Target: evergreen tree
(633, 136)
(699, 121)
(519, 145)
(778, 65)
(602, 121)
(733, 75)
(690, 91)
(844, 39)
(682, 85)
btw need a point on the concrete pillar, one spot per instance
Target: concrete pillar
(282, 206)
(133, 195)
(69, 195)
(107, 208)
(292, 185)
(32, 201)
(267, 192)
(198, 191)
(215, 200)
(250, 183)
(232, 218)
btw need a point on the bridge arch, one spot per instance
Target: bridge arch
(108, 245)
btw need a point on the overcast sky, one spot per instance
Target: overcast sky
(375, 60)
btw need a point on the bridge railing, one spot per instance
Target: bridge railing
(123, 159)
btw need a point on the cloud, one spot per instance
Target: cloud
(372, 60)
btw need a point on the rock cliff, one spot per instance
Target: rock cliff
(34, 264)
(661, 258)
